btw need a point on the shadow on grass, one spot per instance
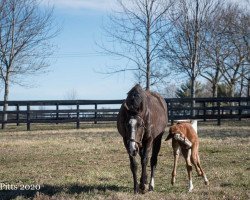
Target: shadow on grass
(51, 190)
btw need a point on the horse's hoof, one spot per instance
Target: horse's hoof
(151, 188)
(206, 182)
(136, 191)
(143, 188)
(143, 191)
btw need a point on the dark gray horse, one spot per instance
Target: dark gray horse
(142, 120)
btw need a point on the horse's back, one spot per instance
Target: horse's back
(158, 110)
(159, 100)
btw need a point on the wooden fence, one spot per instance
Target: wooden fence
(77, 111)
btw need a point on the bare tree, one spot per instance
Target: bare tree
(214, 52)
(71, 95)
(134, 33)
(184, 43)
(236, 67)
(169, 91)
(25, 30)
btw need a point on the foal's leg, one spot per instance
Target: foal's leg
(187, 155)
(176, 152)
(133, 167)
(153, 161)
(195, 159)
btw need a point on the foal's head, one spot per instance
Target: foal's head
(135, 131)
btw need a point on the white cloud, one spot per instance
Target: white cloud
(83, 4)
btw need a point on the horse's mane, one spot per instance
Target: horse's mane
(137, 88)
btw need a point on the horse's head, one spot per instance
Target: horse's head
(135, 130)
(135, 100)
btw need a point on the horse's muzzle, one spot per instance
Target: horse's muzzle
(133, 148)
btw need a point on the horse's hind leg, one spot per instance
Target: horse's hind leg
(153, 161)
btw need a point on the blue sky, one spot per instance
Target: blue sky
(76, 60)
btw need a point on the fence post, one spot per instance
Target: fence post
(3, 120)
(57, 112)
(17, 115)
(28, 117)
(171, 112)
(219, 116)
(204, 111)
(77, 116)
(95, 113)
(239, 112)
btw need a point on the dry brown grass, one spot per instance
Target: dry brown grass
(92, 163)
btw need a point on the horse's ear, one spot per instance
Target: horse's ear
(126, 106)
(170, 135)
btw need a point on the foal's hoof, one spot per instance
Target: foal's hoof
(173, 182)
(206, 182)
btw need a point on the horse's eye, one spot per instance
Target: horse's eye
(140, 124)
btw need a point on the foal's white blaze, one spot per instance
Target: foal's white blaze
(132, 147)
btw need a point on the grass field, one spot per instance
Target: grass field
(91, 163)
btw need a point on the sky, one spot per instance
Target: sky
(77, 61)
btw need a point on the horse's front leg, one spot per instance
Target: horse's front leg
(153, 161)
(133, 167)
(144, 162)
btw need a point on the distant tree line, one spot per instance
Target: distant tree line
(204, 42)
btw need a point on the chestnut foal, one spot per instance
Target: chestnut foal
(185, 138)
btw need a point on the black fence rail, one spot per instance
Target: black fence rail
(77, 111)
(209, 108)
